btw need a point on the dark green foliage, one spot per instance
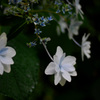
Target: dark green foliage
(24, 74)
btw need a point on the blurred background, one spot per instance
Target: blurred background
(86, 86)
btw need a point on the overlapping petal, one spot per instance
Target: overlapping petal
(74, 73)
(10, 52)
(50, 68)
(57, 78)
(3, 40)
(66, 75)
(69, 60)
(6, 60)
(7, 68)
(1, 68)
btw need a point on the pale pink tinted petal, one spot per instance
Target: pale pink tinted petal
(6, 60)
(57, 78)
(3, 40)
(1, 68)
(50, 68)
(7, 68)
(63, 81)
(10, 52)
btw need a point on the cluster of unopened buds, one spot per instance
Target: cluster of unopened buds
(61, 66)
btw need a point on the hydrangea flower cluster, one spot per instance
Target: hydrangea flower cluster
(62, 67)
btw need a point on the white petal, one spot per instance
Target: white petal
(50, 68)
(56, 59)
(66, 76)
(63, 81)
(68, 67)
(57, 78)
(6, 60)
(59, 52)
(87, 54)
(10, 52)
(7, 68)
(69, 60)
(84, 38)
(1, 68)
(3, 40)
(73, 73)
(82, 54)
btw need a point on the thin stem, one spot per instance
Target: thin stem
(45, 48)
(47, 51)
(68, 1)
(19, 27)
(76, 42)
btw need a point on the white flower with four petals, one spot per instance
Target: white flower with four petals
(62, 67)
(6, 54)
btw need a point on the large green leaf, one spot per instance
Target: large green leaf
(22, 79)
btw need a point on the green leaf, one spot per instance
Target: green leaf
(22, 79)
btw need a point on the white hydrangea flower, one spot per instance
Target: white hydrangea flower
(73, 28)
(62, 26)
(62, 67)
(6, 54)
(78, 9)
(85, 47)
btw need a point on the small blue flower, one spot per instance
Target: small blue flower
(37, 31)
(70, 12)
(42, 24)
(69, 7)
(58, 11)
(18, 1)
(31, 44)
(14, 1)
(45, 40)
(50, 18)
(63, 10)
(42, 18)
(58, 3)
(37, 20)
